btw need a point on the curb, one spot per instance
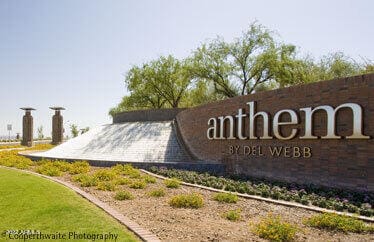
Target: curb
(142, 233)
(10, 149)
(278, 202)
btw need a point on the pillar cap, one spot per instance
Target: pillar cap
(57, 108)
(28, 108)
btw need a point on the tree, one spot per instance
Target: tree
(333, 65)
(161, 83)
(74, 130)
(85, 130)
(166, 78)
(40, 132)
(210, 64)
(201, 92)
(254, 62)
(249, 62)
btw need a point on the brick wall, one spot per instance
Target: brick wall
(147, 115)
(338, 163)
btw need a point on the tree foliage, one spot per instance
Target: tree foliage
(256, 61)
(74, 130)
(40, 132)
(252, 61)
(161, 83)
(334, 65)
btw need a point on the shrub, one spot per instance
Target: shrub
(79, 167)
(10, 146)
(106, 186)
(172, 183)
(366, 212)
(117, 168)
(63, 166)
(134, 174)
(22, 163)
(78, 178)
(85, 180)
(127, 170)
(123, 169)
(105, 174)
(274, 229)
(41, 147)
(157, 193)
(187, 201)
(325, 197)
(12, 159)
(122, 181)
(149, 179)
(123, 195)
(49, 169)
(138, 184)
(226, 197)
(338, 222)
(232, 215)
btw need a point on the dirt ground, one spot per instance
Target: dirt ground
(207, 223)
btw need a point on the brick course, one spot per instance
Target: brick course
(147, 115)
(338, 163)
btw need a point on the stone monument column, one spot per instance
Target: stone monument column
(27, 127)
(57, 126)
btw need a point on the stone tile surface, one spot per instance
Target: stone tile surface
(128, 142)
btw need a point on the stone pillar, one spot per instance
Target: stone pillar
(27, 127)
(57, 126)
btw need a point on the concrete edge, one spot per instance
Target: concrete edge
(10, 149)
(195, 166)
(278, 202)
(142, 233)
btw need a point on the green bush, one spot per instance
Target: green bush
(78, 178)
(157, 193)
(123, 195)
(79, 167)
(134, 174)
(226, 197)
(12, 159)
(274, 229)
(127, 170)
(172, 183)
(117, 168)
(149, 179)
(85, 180)
(122, 181)
(187, 201)
(105, 174)
(49, 169)
(63, 166)
(321, 196)
(123, 169)
(339, 223)
(232, 215)
(106, 185)
(138, 184)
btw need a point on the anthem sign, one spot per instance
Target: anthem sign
(319, 133)
(217, 126)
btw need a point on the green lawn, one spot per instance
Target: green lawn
(28, 202)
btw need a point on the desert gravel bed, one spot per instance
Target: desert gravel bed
(207, 224)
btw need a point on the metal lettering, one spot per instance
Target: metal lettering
(252, 117)
(276, 124)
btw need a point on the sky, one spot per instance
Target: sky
(75, 53)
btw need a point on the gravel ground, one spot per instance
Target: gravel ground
(207, 224)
